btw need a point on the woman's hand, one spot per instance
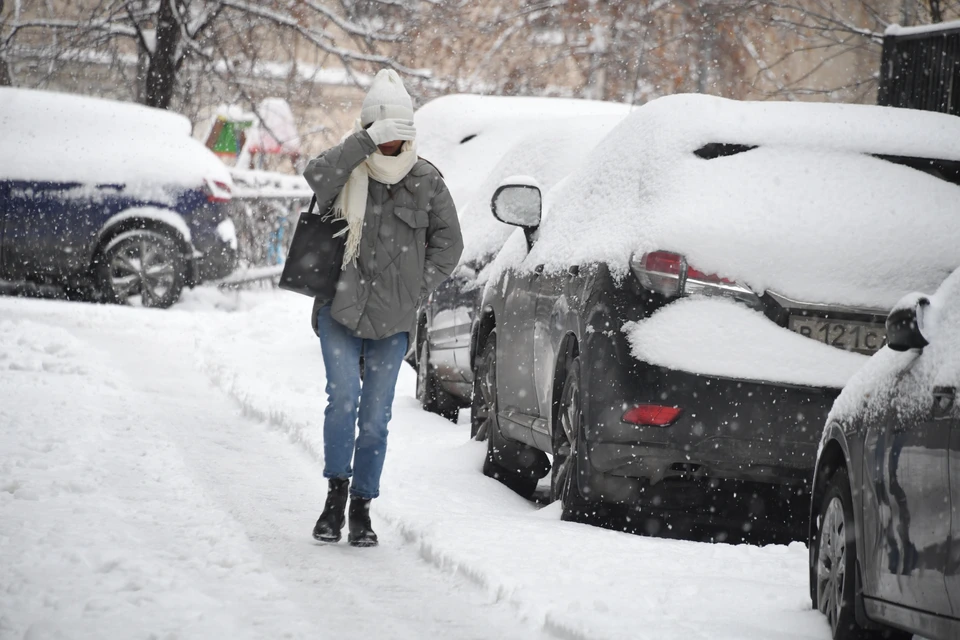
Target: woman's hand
(390, 129)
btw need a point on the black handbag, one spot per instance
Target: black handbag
(315, 258)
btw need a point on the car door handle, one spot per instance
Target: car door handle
(943, 399)
(537, 270)
(574, 270)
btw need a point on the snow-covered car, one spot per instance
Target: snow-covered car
(476, 141)
(884, 522)
(672, 334)
(111, 200)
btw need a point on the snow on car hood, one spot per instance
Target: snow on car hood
(808, 213)
(719, 337)
(60, 137)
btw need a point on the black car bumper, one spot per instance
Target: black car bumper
(733, 439)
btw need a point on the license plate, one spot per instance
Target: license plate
(850, 335)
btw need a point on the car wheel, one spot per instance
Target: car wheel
(433, 398)
(567, 440)
(835, 565)
(487, 371)
(484, 395)
(142, 265)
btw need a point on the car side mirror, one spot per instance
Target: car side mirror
(905, 326)
(518, 202)
(517, 205)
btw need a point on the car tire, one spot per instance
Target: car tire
(567, 439)
(142, 263)
(484, 391)
(431, 396)
(524, 485)
(834, 565)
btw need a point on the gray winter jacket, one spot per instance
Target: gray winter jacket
(411, 241)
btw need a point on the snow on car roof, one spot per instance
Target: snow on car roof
(547, 152)
(807, 213)
(466, 135)
(61, 137)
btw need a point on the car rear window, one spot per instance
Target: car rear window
(947, 170)
(714, 150)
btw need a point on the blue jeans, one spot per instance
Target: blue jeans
(347, 400)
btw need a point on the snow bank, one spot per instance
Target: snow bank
(807, 214)
(62, 137)
(907, 379)
(466, 135)
(720, 337)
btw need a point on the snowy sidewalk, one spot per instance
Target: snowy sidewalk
(161, 474)
(136, 501)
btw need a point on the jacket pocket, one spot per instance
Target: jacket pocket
(415, 218)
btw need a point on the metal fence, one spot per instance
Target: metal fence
(264, 227)
(920, 69)
(264, 209)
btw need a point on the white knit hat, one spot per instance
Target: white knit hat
(387, 98)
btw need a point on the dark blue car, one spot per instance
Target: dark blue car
(112, 201)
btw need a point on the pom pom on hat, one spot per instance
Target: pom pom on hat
(387, 98)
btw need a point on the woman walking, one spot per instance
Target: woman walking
(403, 240)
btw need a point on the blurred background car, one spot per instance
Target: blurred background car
(476, 141)
(884, 521)
(112, 201)
(672, 336)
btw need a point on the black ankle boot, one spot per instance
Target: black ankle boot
(331, 520)
(361, 533)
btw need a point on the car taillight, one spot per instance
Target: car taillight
(218, 191)
(694, 274)
(652, 415)
(660, 271)
(669, 275)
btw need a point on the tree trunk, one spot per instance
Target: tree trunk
(5, 78)
(907, 10)
(162, 71)
(936, 11)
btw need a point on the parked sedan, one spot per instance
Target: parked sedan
(885, 525)
(111, 200)
(674, 333)
(494, 137)
(550, 150)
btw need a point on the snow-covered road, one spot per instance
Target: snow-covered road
(160, 474)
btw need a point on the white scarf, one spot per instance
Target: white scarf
(351, 204)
